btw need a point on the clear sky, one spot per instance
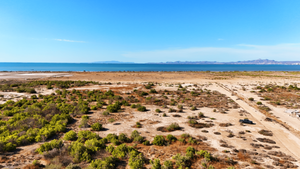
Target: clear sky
(148, 30)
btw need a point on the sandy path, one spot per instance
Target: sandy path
(285, 139)
(277, 111)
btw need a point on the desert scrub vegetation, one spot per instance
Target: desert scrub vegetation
(285, 95)
(49, 146)
(171, 127)
(195, 124)
(71, 135)
(96, 126)
(159, 140)
(265, 132)
(46, 117)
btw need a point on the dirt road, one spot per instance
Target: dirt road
(284, 138)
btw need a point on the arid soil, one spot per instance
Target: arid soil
(223, 101)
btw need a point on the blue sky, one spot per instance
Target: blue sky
(149, 30)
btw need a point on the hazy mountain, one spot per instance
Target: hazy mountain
(255, 62)
(113, 62)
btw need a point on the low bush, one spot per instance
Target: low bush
(142, 108)
(136, 160)
(49, 146)
(123, 138)
(71, 135)
(200, 115)
(106, 163)
(114, 107)
(173, 126)
(171, 138)
(97, 126)
(79, 152)
(86, 135)
(139, 139)
(155, 164)
(138, 125)
(168, 165)
(159, 140)
(146, 143)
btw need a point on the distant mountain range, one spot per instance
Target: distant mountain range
(112, 62)
(249, 62)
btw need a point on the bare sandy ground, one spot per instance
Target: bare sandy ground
(29, 75)
(285, 139)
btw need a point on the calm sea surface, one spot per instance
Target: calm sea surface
(140, 67)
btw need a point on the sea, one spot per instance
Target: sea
(100, 67)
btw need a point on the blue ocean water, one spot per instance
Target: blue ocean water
(140, 67)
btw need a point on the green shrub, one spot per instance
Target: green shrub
(94, 145)
(205, 154)
(71, 135)
(10, 147)
(200, 115)
(33, 97)
(185, 135)
(159, 140)
(93, 107)
(193, 108)
(155, 164)
(259, 103)
(85, 117)
(111, 136)
(106, 163)
(135, 134)
(157, 110)
(105, 113)
(79, 152)
(123, 138)
(114, 107)
(146, 143)
(173, 126)
(86, 135)
(136, 160)
(142, 108)
(111, 120)
(192, 141)
(49, 146)
(35, 162)
(138, 139)
(181, 161)
(84, 122)
(153, 91)
(115, 141)
(121, 151)
(171, 138)
(110, 148)
(138, 125)
(190, 149)
(97, 126)
(168, 165)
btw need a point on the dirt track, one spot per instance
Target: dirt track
(285, 138)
